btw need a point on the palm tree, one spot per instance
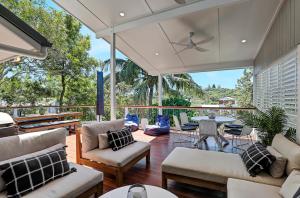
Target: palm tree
(144, 85)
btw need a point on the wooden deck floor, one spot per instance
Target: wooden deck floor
(160, 148)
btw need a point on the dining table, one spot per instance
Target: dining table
(219, 120)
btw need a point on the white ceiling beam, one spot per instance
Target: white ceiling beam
(165, 15)
(209, 67)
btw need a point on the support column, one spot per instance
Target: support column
(160, 93)
(298, 96)
(113, 104)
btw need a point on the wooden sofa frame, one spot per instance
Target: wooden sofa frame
(118, 172)
(191, 181)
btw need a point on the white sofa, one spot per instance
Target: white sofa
(107, 160)
(211, 169)
(82, 183)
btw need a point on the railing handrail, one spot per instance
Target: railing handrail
(46, 106)
(187, 107)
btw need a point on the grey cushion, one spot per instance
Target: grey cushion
(90, 132)
(277, 169)
(117, 158)
(15, 146)
(69, 186)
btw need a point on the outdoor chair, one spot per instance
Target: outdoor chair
(161, 127)
(237, 133)
(181, 129)
(132, 120)
(209, 128)
(185, 120)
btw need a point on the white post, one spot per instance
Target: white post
(113, 77)
(160, 93)
(298, 96)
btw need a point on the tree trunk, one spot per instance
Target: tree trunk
(62, 93)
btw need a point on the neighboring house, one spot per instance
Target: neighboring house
(227, 101)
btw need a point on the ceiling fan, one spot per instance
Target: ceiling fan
(193, 45)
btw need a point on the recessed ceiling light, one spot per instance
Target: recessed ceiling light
(122, 14)
(156, 53)
(244, 41)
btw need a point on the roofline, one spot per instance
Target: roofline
(24, 27)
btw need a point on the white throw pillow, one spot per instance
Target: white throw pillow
(47, 150)
(103, 141)
(291, 185)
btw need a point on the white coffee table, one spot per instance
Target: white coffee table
(152, 192)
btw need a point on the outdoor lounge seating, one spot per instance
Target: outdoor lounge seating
(132, 120)
(107, 160)
(199, 167)
(85, 182)
(162, 126)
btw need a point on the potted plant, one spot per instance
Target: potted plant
(268, 123)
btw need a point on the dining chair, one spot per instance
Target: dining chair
(185, 120)
(208, 128)
(246, 131)
(181, 129)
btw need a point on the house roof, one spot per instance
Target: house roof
(17, 37)
(146, 31)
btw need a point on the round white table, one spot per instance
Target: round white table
(218, 119)
(152, 192)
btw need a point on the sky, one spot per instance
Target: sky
(100, 49)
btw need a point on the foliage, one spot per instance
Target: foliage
(291, 134)
(244, 89)
(268, 123)
(68, 69)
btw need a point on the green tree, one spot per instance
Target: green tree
(244, 89)
(145, 85)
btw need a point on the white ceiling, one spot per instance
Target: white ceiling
(228, 25)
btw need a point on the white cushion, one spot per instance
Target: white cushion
(277, 169)
(47, 150)
(291, 185)
(90, 132)
(201, 164)
(69, 186)
(240, 188)
(15, 146)
(103, 141)
(117, 158)
(289, 150)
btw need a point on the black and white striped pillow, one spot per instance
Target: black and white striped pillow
(24, 176)
(257, 158)
(120, 138)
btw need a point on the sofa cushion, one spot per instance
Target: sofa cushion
(201, 164)
(291, 185)
(15, 146)
(257, 158)
(24, 176)
(240, 188)
(117, 158)
(71, 185)
(90, 132)
(277, 169)
(289, 150)
(44, 151)
(103, 141)
(120, 138)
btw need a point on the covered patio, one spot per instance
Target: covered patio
(171, 37)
